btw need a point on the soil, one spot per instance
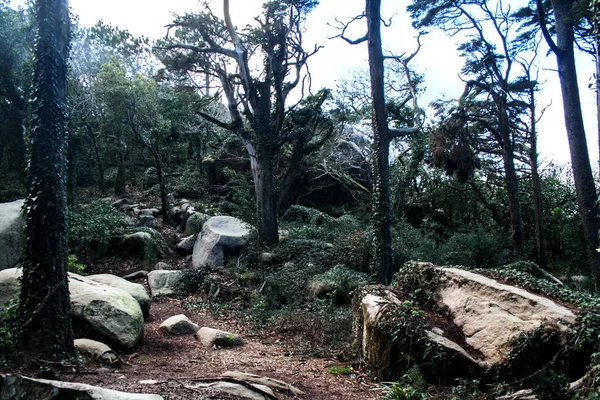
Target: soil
(177, 362)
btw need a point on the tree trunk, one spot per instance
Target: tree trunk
(580, 160)
(120, 181)
(381, 216)
(163, 189)
(44, 311)
(99, 163)
(263, 173)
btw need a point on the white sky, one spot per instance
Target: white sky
(438, 58)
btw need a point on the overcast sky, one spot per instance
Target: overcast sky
(438, 58)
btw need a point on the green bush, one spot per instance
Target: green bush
(340, 282)
(478, 249)
(191, 281)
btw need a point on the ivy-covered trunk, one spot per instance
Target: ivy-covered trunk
(120, 180)
(263, 173)
(381, 216)
(44, 312)
(582, 171)
(164, 205)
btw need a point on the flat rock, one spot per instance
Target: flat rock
(238, 390)
(162, 282)
(136, 290)
(220, 235)
(178, 325)
(17, 387)
(97, 351)
(12, 233)
(274, 384)
(210, 337)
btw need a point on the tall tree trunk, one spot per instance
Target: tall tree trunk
(99, 163)
(45, 309)
(120, 181)
(263, 173)
(381, 219)
(163, 188)
(580, 160)
(512, 184)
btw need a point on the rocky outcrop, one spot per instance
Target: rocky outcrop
(136, 290)
(12, 233)
(220, 236)
(15, 387)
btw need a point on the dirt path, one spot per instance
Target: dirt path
(175, 361)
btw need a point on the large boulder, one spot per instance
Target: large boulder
(12, 233)
(136, 290)
(15, 387)
(104, 313)
(220, 236)
(195, 222)
(163, 282)
(9, 286)
(491, 314)
(139, 244)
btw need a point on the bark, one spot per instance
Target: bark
(99, 162)
(162, 187)
(120, 181)
(580, 160)
(381, 219)
(44, 308)
(263, 173)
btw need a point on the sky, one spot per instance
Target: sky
(438, 58)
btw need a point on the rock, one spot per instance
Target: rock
(136, 290)
(12, 233)
(99, 312)
(186, 246)
(220, 235)
(121, 204)
(97, 351)
(239, 390)
(22, 387)
(267, 257)
(150, 211)
(458, 358)
(178, 325)
(104, 313)
(139, 244)
(148, 221)
(283, 234)
(492, 314)
(163, 266)
(163, 282)
(194, 223)
(136, 275)
(274, 384)
(210, 337)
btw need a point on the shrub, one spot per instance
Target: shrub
(339, 282)
(191, 281)
(479, 249)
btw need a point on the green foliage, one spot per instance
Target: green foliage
(479, 249)
(398, 391)
(418, 282)
(340, 370)
(306, 215)
(550, 385)
(340, 282)
(74, 265)
(94, 224)
(191, 281)
(242, 204)
(8, 341)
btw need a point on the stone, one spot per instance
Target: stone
(220, 235)
(163, 282)
(121, 204)
(12, 233)
(274, 384)
(104, 313)
(22, 387)
(492, 314)
(195, 222)
(186, 246)
(139, 244)
(150, 211)
(136, 275)
(9, 286)
(163, 266)
(96, 351)
(136, 290)
(178, 325)
(148, 221)
(210, 337)
(238, 390)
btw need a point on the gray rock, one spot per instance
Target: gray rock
(139, 244)
(195, 222)
(178, 325)
(274, 384)
(12, 233)
(136, 290)
(148, 221)
(9, 286)
(219, 235)
(106, 314)
(163, 266)
(150, 211)
(136, 275)
(96, 351)
(121, 204)
(186, 246)
(17, 387)
(238, 390)
(162, 282)
(210, 337)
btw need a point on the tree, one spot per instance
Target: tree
(585, 188)
(257, 101)
(381, 221)
(44, 311)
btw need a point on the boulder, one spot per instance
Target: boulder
(139, 244)
(96, 351)
(492, 314)
(220, 236)
(148, 221)
(12, 233)
(136, 290)
(150, 211)
(186, 246)
(22, 387)
(104, 313)
(162, 282)
(163, 266)
(194, 223)
(136, 275)
(210, 337)
(178, 325)
(9, 286)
